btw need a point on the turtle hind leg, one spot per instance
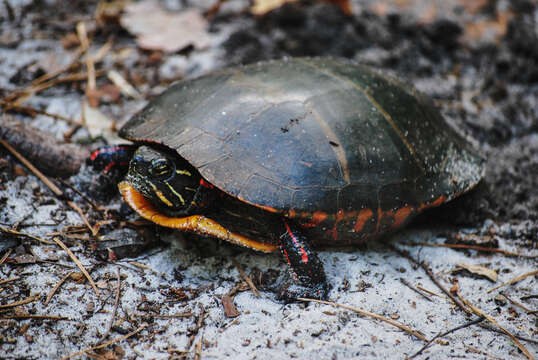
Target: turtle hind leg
(304, 265)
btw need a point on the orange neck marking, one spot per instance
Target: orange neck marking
(195, 223)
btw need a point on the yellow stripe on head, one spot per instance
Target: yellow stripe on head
(175, 193)
(161, 196)
(183, 172)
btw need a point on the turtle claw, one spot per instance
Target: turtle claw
(294, 292)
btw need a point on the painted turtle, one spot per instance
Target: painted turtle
(291, 154)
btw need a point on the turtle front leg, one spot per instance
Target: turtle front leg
(108, 165)
(303, 263)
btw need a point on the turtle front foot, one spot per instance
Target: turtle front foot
(304, 265)
(294, 292)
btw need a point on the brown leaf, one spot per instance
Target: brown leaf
(229, 307)
(164, 30)
(344, 5)
(487, 31)
(479, 270)
(473, 6)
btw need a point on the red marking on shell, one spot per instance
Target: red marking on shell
(401, 215)
(379, 216)
(441, 199)
(317, 218)
(362, 218)
(334, 232)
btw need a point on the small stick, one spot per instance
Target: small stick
(56, 287)
(479, 312)
(79, 264)
(198, 347)
(2, 282)
(83, 196)
(30, 110)
(174, 316)
(75, 207)
(470, 323)
(372, 315)
(472, 247)
(430, 274)
(246, 278)
(55, 189)
(428, 291)
(121, 338)
(526, 309)
(18, 233)
(403, 281)
(6, 255)
(116, 302)
(20, 302)
(514, 280)
(29, 316)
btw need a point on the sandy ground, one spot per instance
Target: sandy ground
(479, 65)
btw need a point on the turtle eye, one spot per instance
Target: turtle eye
(161, 168)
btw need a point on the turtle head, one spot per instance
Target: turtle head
(166, 180)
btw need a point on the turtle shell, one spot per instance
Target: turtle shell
(308, 136)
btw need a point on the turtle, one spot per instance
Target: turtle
(289, 155)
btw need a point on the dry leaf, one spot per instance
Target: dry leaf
(473, 6)
(344, 5)
(479, 270)
(229, 307)
(487, 31)
(261, 7)
(98, 124)
(158, 29)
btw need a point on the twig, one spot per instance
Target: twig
(372, 315)
(247, 279)
(198, 352)
(473, 247)
(514, 280)
(430, 274)
(20, 302)
(82, 195)
(6, 255)
(121, 338)
(2, 282)
(79, 264)
(199, 324)
(174, 316)
(403, 281)
(427, 291)
(55, 189)
(470, 323)
(37, 317)
(56, 287)
(449, 294)
(116, 302)
(18, 233)
(526, 309)
(479, 312)
(31, 111)
(80, 213)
